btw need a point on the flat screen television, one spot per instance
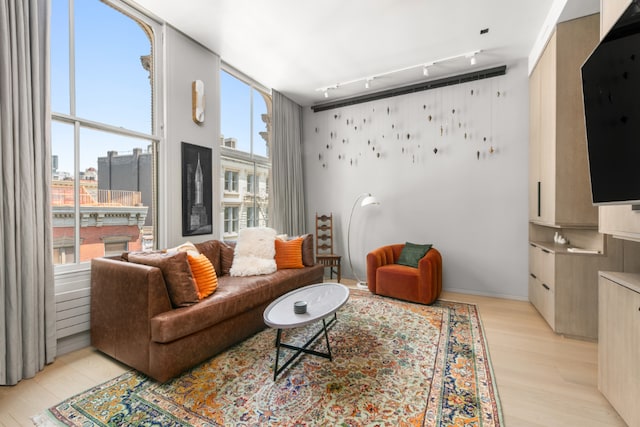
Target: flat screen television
(611, 93)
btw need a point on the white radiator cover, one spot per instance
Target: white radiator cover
(73, 292)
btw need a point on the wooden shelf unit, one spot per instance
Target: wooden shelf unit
(563, 285)
(559, 190)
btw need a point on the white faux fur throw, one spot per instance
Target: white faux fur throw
(255, 252)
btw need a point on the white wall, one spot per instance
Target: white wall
(186, 61)
(473, 210)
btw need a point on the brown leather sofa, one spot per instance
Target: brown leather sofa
(386, 277)
(133, 321)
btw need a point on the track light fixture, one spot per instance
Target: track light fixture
(424, 66)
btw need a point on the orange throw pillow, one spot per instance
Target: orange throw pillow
(289, 253)
(204, 275)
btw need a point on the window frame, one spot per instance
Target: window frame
(251, 217)
(155, 30)
(255, 160)
(234, 181)
(251, 183)
(124, 242)
(234, 220)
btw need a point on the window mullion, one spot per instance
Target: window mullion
(72, 59)
(76, 189)
(76, 131)
(251, 120)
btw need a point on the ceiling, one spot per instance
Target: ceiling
(299, 47)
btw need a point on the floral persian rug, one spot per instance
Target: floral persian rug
(394, 364)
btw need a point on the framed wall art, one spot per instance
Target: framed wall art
(197, 190)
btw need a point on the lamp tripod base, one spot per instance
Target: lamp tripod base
(362, 285)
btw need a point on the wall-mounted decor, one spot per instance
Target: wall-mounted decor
(197, 190)
(197, 101)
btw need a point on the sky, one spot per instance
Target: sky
(112, 86)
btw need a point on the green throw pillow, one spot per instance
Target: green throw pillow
(412, 253)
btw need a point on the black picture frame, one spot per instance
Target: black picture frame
(197, 190)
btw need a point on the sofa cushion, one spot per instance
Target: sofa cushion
(397, 281)
(412, 253)
(211, 249)
(177, 275)
(203, 274)
(255, 252)
(235, 295)
(227, 250)
(308, 256)
(184, 247)
(289, 253)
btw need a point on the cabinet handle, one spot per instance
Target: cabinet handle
(546, 251)
(533, 275)
(545, 286)
(538, 198)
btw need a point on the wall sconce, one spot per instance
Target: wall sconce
(197, 101)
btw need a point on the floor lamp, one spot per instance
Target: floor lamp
(367, 199)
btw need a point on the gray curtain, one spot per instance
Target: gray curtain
(286, 158)
(27, 307)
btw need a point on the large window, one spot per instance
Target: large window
(245, 147)
(103, 129)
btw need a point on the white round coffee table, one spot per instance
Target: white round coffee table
(322, 299)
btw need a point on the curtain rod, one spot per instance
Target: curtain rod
(418, 87)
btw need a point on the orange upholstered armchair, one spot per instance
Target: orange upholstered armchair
(385, 277)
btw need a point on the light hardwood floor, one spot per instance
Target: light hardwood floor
(544, 380)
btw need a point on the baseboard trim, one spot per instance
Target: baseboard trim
(73, 342)
(486, 294)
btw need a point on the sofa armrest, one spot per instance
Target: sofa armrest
(430, 275)
(124, 298)
(377, 258)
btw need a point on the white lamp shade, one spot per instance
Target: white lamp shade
(369, 200)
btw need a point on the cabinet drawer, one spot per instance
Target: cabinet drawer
(542, 297)
(534, 260)
(547, 273)
(542, 265)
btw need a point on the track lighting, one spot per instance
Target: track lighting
(425, 71)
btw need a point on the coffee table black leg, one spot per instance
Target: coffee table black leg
(303, 349)
(275, 368)
(326, 336)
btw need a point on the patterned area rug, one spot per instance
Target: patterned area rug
(394, 364)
